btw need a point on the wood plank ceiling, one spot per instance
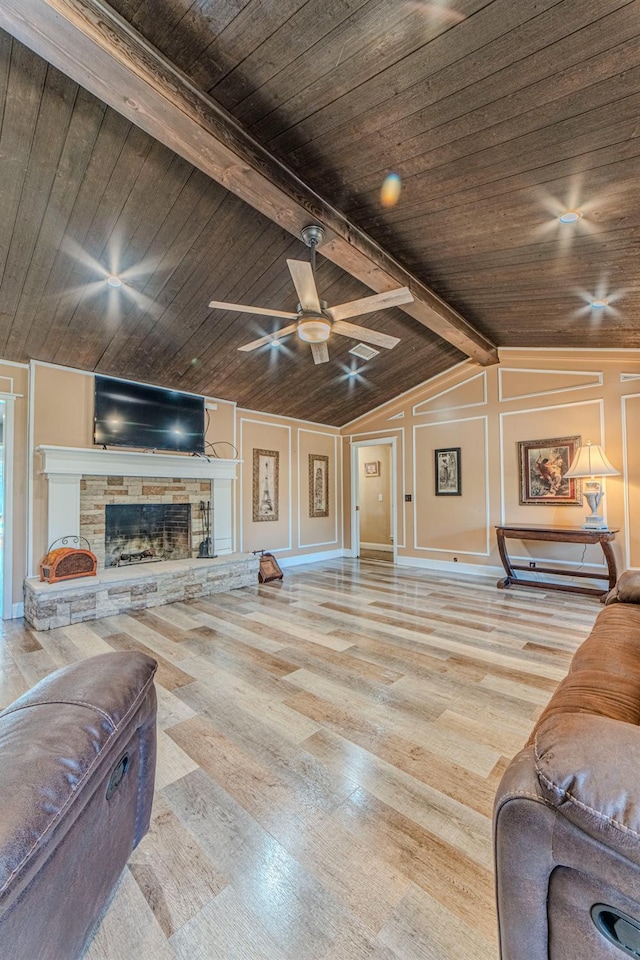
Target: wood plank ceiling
(495, 114)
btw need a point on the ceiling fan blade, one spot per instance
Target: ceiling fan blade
(320, 352)
(258, 311)
(344, 329)
(305, 284)
(278, 335)
(379, 301)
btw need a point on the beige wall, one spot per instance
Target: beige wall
(530, 395)
(63, 416)
(374, 496)
(294, 533)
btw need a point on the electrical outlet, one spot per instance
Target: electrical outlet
(407, 498)
(532, 565)
(455, 559)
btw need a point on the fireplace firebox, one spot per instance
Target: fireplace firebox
(146, 532)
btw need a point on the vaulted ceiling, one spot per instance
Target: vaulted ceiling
(183, 144)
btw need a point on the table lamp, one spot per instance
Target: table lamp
(589, 463)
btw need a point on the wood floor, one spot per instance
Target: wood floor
(329, 748)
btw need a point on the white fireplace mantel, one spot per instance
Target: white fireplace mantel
(95, 462)
(64, 468)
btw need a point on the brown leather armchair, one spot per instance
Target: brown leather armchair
(78, 765)
(567, 813)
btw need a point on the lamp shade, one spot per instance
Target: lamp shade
(590, 461)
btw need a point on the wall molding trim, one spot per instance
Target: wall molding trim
(487, 496)
(249, 466)
(418, 412)
(298, 560)
(303, 482)
(625, 473)
(444, 375)
(447, 566)
(596, 382)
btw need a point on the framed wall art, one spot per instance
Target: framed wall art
(542, 465)
(372, 468)
(447, 472)
(266, 476)
(318, 485)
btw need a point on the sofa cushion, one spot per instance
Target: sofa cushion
(604, 677)
(587, 767)
(626, 590)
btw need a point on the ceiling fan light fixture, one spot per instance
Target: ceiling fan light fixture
(314, 329)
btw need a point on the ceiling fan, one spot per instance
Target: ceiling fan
(314, 320)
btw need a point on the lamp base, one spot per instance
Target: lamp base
(594, 522)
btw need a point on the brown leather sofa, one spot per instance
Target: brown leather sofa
(78, 766)
(567, 813)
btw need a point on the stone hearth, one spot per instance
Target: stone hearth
(82, 480)
(122, 589)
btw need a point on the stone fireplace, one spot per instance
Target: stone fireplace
(144, 499)
(82, 481)
(146, 532)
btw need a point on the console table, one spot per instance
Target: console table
(558, 535)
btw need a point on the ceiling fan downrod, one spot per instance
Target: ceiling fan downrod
(312, 236)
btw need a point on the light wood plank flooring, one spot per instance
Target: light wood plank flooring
(329, 749)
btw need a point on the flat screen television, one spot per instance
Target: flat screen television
(133, 415)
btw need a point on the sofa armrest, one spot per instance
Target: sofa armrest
(523, 821)
(587, 768)
(626, 590)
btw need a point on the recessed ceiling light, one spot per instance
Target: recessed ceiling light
(570, 216)
(598, 304)
(114, 281)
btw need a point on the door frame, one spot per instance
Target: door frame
(8, 611)
(356, 445)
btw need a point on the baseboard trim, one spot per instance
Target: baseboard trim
(310, 558)
(17, 611)
(447, 566)
(376, 546)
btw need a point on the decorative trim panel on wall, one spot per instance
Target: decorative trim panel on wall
(473, 506)
(630, 414)
(303, 487)
(526, 382)
(246, 485)
(584, 418)
(472, 392)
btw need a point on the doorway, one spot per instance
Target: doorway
(373, 500)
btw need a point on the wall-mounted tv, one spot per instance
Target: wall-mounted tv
(133, 415)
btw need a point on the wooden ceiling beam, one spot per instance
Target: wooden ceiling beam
(89, 42)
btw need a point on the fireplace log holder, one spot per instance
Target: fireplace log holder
(68, 563)
(137, 556)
